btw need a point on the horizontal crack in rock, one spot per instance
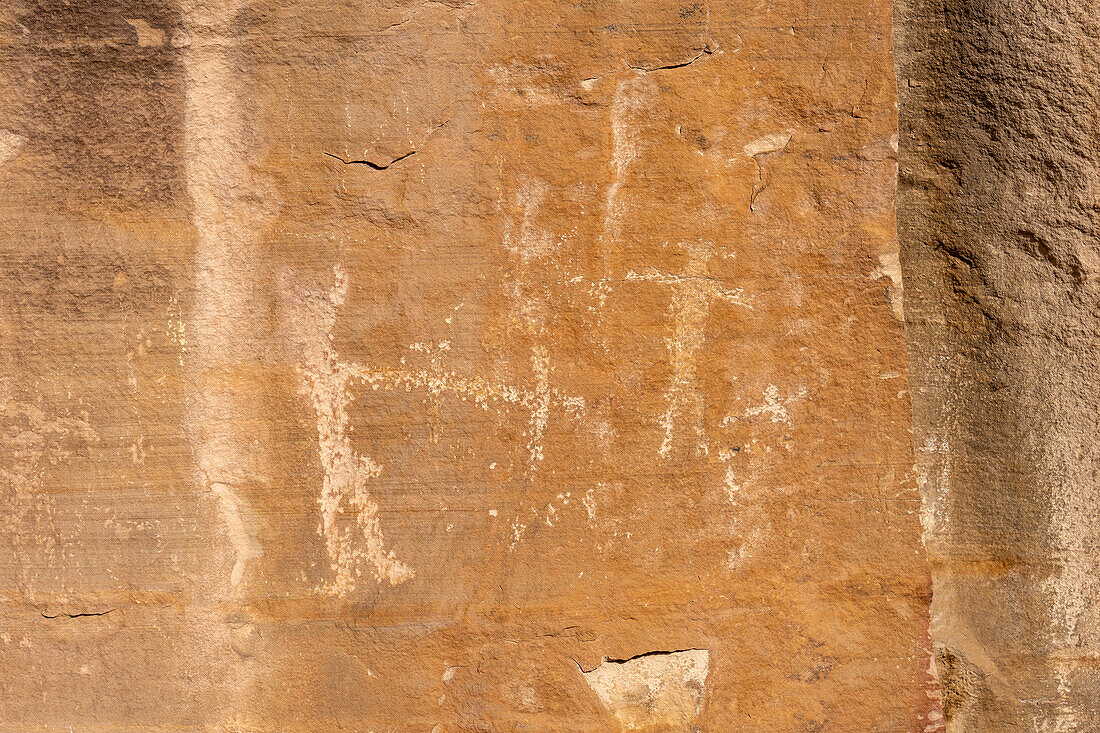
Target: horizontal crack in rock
(371, 164)
(383, 166)
(79, 615)
(705, 51)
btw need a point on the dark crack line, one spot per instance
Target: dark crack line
(370, 163)
(384, 166)
(756, 191)
(79, 615)
(658, 653)
(706, 51)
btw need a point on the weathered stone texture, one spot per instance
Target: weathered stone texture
(998, 221)
(455, 367)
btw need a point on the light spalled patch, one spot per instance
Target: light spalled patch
(693, 292)
(10, 145)
(760, 150)
(147, 35)
(655, 691)
(768, 144)
(889, 265)
(346, 473)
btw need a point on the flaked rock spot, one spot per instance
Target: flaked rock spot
(10, 144)
(653, 691)
(147, 35)
(768, 144)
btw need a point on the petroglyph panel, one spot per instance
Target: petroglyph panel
(403, 366)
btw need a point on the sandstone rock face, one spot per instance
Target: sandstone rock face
(455, 366)
(998, 220)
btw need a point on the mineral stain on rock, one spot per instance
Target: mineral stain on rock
(998, 234)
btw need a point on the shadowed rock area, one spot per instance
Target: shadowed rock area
(998, 222)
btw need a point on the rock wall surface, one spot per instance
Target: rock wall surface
(998, 215)
(452, 366)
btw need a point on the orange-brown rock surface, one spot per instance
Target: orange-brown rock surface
(487, 366)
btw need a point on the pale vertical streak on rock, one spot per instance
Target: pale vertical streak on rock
(689, 313)
(624, 150)
(526, 240)
(529, 243)
(540, 413)
(934, 481)
(1074, 588)
(626, 101)
(229, 212)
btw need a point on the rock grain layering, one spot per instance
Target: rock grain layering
(503, 365)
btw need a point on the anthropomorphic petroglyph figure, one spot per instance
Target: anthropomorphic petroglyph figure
(326, 380)
(693, 292)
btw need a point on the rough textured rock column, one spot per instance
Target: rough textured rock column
(998, 219)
